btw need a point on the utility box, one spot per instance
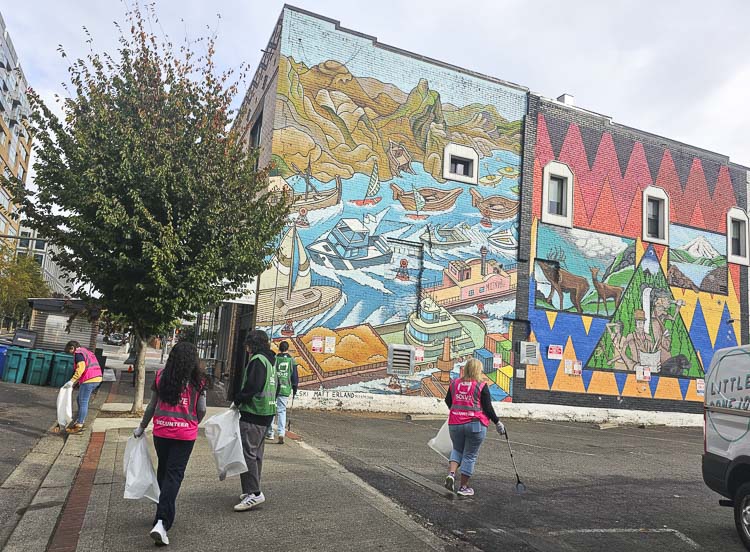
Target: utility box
(51, 322)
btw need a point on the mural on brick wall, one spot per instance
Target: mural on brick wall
(615, 315)
(380, 248)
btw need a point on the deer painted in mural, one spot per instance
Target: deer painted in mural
(604, 291)
(562, 281)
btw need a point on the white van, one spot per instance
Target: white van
(726, 435)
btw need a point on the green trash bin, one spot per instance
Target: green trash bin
(62, 369)
(16, 359)
(37, 371)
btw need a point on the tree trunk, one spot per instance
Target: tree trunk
(140, 375)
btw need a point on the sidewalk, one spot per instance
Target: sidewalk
(313, 503)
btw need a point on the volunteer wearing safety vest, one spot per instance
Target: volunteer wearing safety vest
(256, 400)
(470, 413)
(286, 373)
(88, 376)
(178, 404)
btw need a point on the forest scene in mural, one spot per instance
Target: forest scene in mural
(581, 271)
(380, 248)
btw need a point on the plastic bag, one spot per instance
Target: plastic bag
(140, 476)
(441, 443)
(64, 407)
(223, 434)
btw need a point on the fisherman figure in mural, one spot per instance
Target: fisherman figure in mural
(636, 347)
(662, 302)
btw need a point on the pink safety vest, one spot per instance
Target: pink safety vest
(92, 370)
(466, 405)
(178, 421)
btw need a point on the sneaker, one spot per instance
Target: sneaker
(242, 496)
(250, 501)
(450, 482)
(75, 429)
(466, 491)
(159, 534)
(281, 439)
(269, 437)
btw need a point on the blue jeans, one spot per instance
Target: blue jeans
(280, 419)
(467, 438)
(84, 394)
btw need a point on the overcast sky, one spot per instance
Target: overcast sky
(679, 68)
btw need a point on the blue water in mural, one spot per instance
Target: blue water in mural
(373, 294)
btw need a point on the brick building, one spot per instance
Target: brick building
(15, 141)
(459, 215)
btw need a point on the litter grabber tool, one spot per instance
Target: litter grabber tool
(520, 487)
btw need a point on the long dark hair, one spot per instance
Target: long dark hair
(183, 367)
(257, 342)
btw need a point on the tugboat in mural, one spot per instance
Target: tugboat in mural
(313, 198)
(371, 195)
(493, 207)
(444, 238)
(286, 292)
(350, 245)
(399, 157)
(425, 199)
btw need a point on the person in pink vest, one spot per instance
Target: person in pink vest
(470, 413)
(88, 376)
(178, 404)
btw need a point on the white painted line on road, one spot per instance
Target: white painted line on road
(514, 442)
(622, 431)
(683, 537)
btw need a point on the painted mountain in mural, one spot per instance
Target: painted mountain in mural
(647, 329)
(343, 124)
(700, 247)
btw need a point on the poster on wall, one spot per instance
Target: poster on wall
(577, 368)
(418, 354)
(497, 361)
(317, 344)
(555, 352)
(642, 373)
(568, 367)
(700, 387)
(330, 345)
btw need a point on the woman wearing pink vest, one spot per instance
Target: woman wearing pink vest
(88, 376)
(178, 404)
(470, 413)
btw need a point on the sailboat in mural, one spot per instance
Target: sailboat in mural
(373, 187)
(286, 291)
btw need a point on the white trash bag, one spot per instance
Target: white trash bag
(140, 476)
(441, 443)
(223, 434)
(64, 407)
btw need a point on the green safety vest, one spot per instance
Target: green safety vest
(264, 403)
(284, 364)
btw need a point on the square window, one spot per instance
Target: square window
(39, 244)
(557, 196)
(655, 227)
(737, 236)
(461, 166)
(39, 259)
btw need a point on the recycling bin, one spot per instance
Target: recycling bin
(62, 369)
(3, 348)
(16, 359)
(37, 370)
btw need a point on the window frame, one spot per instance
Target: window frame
(737, 214)
(659, 194)
(464, 153)
(557, 170)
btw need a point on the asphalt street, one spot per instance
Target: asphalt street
(621, 489)
(26, 413)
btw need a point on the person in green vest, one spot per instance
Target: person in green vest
(256, 401)
(286, 372)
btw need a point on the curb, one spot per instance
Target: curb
(38, 517)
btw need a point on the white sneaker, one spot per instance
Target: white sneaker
(250, 501)
(159, 534)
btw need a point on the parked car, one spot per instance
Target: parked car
(115, 339)
(726, 441)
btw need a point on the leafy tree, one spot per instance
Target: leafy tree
(146, 185)
(20, 279)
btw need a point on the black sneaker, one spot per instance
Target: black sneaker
(281, 440)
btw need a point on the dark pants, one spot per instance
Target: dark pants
(253, 443)
(173, 457)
